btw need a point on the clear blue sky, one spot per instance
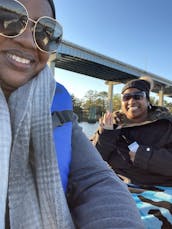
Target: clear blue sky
(137, 32)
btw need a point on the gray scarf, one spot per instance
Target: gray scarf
(5, 147)
(35, 194)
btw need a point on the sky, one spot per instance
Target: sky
(136, 32)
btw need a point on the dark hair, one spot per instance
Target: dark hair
(53, 7)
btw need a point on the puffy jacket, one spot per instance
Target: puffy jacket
(152, 164)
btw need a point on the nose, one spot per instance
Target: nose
(26, 39)
(131, 100)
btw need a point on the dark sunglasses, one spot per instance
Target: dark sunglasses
(14, 18)
(135, 95)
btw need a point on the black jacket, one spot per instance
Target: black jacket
(153, 161)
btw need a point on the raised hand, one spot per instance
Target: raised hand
(106, 122)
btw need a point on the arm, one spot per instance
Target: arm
(103, 139)
(96, 196)
(156, 160)
(105, 143)
(154, 152)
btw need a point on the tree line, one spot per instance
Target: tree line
(99, 100)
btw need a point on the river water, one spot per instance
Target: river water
(89, 128)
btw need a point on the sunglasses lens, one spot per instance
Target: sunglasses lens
(48, 34)
(136, 96)
(13, 18)
(126, 97)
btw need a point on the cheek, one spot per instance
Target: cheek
(144, 105)
(123, 106)
(43, 59)
(4, 43)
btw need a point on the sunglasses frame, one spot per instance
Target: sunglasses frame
(133, 95)
(33, 28)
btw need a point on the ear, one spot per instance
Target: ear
(149, 106)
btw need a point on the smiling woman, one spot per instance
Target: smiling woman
(137, 143)
(20, 54)
(51, 175)
(137, 126)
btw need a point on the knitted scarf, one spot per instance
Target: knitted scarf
(5, 147)
(35, 194)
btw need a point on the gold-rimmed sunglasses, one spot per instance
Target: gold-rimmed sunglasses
(14, 18)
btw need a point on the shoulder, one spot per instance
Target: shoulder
(159, 112)
(62, 99)
(159, 109)
(60, 89)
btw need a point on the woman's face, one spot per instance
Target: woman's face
(135, 110)
(20, 59)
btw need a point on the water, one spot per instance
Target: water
(89, 128)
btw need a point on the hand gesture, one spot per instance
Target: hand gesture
(106, 122)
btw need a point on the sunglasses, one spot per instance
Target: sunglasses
(135, 95)
(14, 18)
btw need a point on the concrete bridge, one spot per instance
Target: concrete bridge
(84, 61)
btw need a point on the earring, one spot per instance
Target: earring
(149, 106)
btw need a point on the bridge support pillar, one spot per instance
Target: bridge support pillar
(161, 97)
(110, 94)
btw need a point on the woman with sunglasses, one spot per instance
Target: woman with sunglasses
(51, 176)
(137, 143)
